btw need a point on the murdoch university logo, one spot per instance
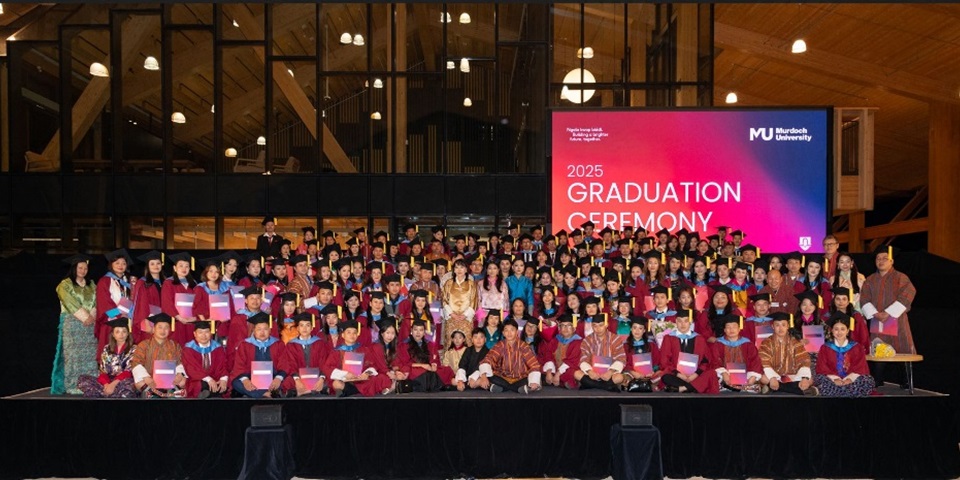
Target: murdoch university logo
(805, 243)
(779, 134)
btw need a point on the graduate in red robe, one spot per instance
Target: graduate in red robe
(343, 379)
(841, 365)
(782, 298)
(205, 362)
(183, 283)
(305, 351)
(146, 295)
(560, 356)
(759, 317)
(685, 340)
(730, 349)
(259, 347)
(419, 360)
(111, 288)
(639, 342)
(240, 327)
(859, 332)
(592, 313)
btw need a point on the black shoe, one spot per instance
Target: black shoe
(205, 393)
(671, 389)
(448, 388)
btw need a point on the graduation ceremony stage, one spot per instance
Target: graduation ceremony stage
(478, 434)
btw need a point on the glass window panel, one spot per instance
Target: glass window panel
(145, 233)
(423, 37)
(91, 150)
(292, 145)
(566, 39)
(37, 104)
(521, 129)
(381, 16)
(472, 119)
(347, 114)
(193, 233)
(342, 21)
(424, 124)
(474, 39)
(6, 233)
(294, 29)
(40, 233)
(240, 233)
(93, 233)
(603, 32)
(243, 110)
(234, 18)
(424, 224)
(343, 227)
(141, 134)
(192, 96)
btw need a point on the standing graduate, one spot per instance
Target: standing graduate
(511, 364)
(111, 288)
(786, 364)
(731, 348)
(684, 340)
(841, 364)
(210, 284)
(181, 282)
(158, 347)
(205, 363)
(518, 285)
(116, 378)
(305, 351)
(885, 299)
(76, 343)
(259, 347)
(814, 280)
(859, 332)
(602, 359)
(268, 244)
(146, 294)
(459, 300)
(253, 269)
(344, 382)
(782, 298)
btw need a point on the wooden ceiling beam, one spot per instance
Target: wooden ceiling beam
(833, 65)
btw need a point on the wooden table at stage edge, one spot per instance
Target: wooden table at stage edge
(905, 358)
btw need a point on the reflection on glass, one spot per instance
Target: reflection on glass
(193, 233)
(342, 228)
(93, 233)
(345, 32)
(38, 103)
(293, 145)
(294, 29)
(192, 97)
(243, 110)
(91, 152)
(141, 133)
(145, 233)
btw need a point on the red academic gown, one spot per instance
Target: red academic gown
(860, 332)
(372, 386)
(611, 323)
(628, 349)
(144, 295)
(246, 353)
(571, 358)
(104, 304)
(193, 364)
(748, 352)
(238, 330)
(405, 362)
(183, 332)
(295, 361)
(854, 361)
(749, 330)
(706, 381)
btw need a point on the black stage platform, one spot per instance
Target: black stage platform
(553, 433)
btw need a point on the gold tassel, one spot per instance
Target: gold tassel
(575, 317)
(819, 302)
(890, 252)
(741, 322)
(669, 294)
(193, 266)
(213, 328)
(271, 321)
(163, 258)
(758, 252)
(851, 324)
(791, 320)
(340, 311)
(313, 321)
(803, 261)
(173, 324)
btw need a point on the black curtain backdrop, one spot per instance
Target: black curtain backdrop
(484, 436)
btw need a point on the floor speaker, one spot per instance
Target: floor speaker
(636, 415)
(262, 416)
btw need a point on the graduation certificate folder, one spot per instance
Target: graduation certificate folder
(220, 307)
(261, 374)
(310, 377)
(701, 298)
(184, 303)
(125, 305)
(738, 373)
(353, 363)
(643, 364)
(763, 332)
(888, 327)
(163, 373)
(601, 364)
(268, 295)
(687, 363)
(239, 302)
(814, 335)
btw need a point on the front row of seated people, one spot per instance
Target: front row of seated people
(332, 358)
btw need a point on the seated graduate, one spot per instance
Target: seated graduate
(417, 357)
(602, 360)
(511, 364)
(640, 374)
(116, 377)
(735, 358)
(287, 326)
(700, 378)
(324, 295)
(530, 333)
(842, 365)
(786, 364)
(305, 351)
(158, 347)
(205, 363)
(386, 346)
(354, 369)
(493, 328)
(259, 347)
(468, 370)
(592, 313)
(419, 310)
(560, 356)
